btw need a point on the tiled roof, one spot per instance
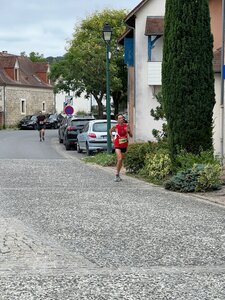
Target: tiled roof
(40, 67)
(154, 26)
(217, 61)
(27, 71)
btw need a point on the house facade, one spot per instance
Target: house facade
(143, 42)
(143, 46)
(216, 28)
(79, 104)
(24, 88)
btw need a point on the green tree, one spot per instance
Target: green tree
(83, 68)
(187, 75)
(159, 114)
(34, 56)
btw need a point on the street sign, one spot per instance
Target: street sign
(69, 100)
(68, 110)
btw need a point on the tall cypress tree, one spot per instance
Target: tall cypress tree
(187, 75)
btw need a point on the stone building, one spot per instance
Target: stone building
(24, 88)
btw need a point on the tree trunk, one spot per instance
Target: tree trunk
(116, 101)
(100, 106)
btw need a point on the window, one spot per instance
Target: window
(43, 106)
(79, 123)
(16, 71)
(17, 74)
(101, 127)
(23, 106)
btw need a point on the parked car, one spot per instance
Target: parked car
(23, 120)
(53, 121)
(93, 136)
(28, 122)
(70, 128)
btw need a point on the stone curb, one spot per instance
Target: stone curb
(216, 197)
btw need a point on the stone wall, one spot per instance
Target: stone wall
(1, 107)
(33, 102)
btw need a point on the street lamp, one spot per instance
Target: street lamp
(107, 36)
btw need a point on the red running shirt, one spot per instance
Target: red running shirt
(121, 137)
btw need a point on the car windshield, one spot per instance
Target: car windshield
(33, 118)
(52, 117)
(78, 123)
(101, 127)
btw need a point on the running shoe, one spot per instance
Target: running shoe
(117, 178)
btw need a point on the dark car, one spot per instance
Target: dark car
(70, 128)
(23, 120)
(28, 122)
(53, 121)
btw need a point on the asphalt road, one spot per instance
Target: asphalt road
(68, 231)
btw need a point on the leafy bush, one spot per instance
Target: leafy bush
(209, 178)
(185, 160)
(201, 177)
(135, 156)
(157, 166)
(103, 159)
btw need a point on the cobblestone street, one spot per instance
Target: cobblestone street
(68, 231)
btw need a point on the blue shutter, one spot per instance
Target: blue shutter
(129, 51)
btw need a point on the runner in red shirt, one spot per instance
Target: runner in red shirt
(120, 142)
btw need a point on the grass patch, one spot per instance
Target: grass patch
(102, 159)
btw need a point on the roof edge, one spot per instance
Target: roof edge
(130, 18)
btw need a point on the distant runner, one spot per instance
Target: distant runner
(41, 126)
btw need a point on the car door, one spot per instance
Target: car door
(83, 137)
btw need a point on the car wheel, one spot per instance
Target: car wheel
(67, 145)
(89, 152)
(78, 148)
(60, 140)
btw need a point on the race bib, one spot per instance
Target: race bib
(123, 141)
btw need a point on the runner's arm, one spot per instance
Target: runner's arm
(113, 129)
(129, 131)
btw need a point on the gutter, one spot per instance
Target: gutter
(135, 85)
(4, 103)
(222, 83)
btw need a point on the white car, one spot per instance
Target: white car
(93, 137)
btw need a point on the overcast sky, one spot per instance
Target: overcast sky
(44, 26)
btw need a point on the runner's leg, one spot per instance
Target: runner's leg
(43, 134)
(40, 134)
(120, 156)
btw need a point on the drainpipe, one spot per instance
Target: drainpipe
(222, 82)
(135, 85)
(4, 103)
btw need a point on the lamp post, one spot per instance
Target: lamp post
(107, 35)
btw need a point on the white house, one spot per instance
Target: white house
(79, 103)
(143, 46)
(143, 42)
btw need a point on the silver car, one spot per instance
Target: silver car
(93, 136)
